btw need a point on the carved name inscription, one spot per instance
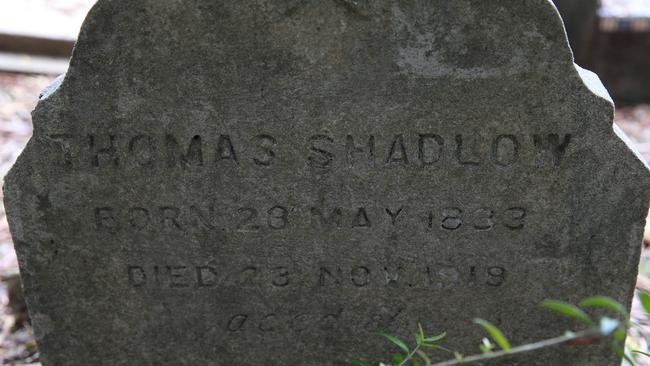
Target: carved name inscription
(319, 151)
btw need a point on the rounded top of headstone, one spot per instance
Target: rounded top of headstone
(318, 40)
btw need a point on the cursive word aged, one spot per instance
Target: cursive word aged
(283, 320)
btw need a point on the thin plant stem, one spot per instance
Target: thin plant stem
(522, 349)
(410, 356)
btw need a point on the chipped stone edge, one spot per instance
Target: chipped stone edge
(52, 88)
(595, 86)
(593, 83)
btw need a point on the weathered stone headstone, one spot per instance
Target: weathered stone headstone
(273, 182)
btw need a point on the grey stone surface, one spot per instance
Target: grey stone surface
(273, 182)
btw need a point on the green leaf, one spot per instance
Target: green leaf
(398, 342)
(458, 356)
(620, 334)
(419, 337)
(398, 358)
(641, 353)
(645, 301)
(415, 362)
(424, 357)
(435, 338)
(568, 310)
(435, 346)
(605, 302)
(621, 353)
(495, 333)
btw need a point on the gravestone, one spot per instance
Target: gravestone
(274, 182)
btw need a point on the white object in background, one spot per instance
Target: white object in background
(55, 19)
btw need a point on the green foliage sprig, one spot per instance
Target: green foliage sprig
(612, 329)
